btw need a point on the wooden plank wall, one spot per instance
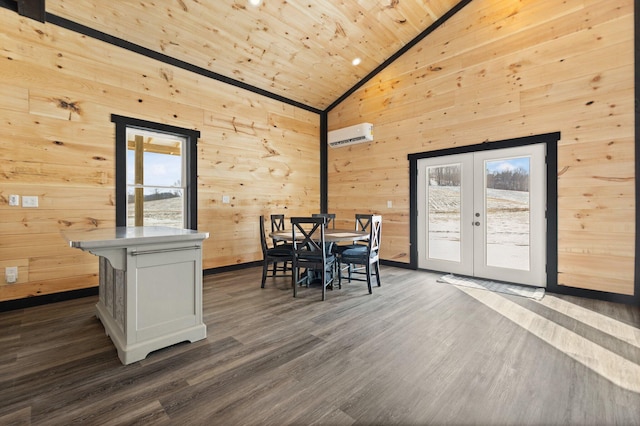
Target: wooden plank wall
(57, 93)
(500, 70)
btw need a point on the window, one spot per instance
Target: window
(155, 177)
(156, 174)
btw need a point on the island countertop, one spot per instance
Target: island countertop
(129, 236)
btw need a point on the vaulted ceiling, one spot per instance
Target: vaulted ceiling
(301, 50)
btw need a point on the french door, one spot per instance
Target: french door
(482, 214)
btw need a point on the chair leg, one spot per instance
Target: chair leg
(294, 281)
(377, 266)
(368, 271)
(265, 267)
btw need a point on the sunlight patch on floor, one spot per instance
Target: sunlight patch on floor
(615, 328)
(609, 365)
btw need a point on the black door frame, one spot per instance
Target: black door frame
(551, 142)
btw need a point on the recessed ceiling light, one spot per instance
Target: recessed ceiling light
(356, 61)
(255, 2)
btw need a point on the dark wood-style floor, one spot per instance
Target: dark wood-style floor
(415, 352)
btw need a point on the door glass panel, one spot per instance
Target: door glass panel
(155, 179)
(507, 212)
(443, 187)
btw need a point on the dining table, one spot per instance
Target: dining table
(330, 235)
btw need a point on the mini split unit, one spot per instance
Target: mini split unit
(350, 135)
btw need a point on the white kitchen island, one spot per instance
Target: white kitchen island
(150, 293)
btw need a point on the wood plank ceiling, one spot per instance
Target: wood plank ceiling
(301, 50)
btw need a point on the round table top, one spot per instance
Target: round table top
(330, 235)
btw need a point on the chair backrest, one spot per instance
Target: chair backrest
(375, 233)
(263, 239)
(331, 222)
(308, 236)
(277, 222)
(277, 225)
(372, 245)
(363, 222)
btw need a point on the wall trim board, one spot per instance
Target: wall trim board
(230, 268)
(444, 18)
(395, 264)
(10, 5)
(636, 26)
(107, 38)
(12, 305)
(169, 60)
(324, 163)
(598, 295)
(258, 263)
(116, 41)
(45, 299)
(167, 128)
(33, 9)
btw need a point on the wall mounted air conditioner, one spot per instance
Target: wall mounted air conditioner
(350, 135)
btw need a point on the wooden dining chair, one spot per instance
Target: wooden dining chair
(310, 253)
(278, 225)
(366, 257)
(274, 255)
(331, 219)
(363, 223)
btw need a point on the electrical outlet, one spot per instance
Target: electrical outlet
(11, 274)
(14, 200)
(29, 201)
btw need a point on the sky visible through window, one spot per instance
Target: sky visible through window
(508, 164)
(159, 169)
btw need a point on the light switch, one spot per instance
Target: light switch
(11, 274)
(29, 201)
(389, 204)
(225, 199)
(14, 200)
